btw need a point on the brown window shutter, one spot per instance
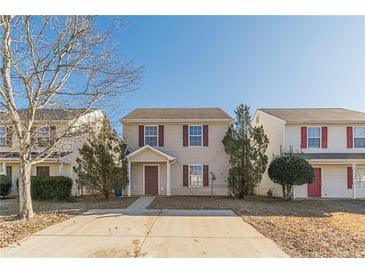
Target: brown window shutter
(9, 137)
(349, 177)
(52, 130)
(205, 175)
(160, 136)
(185, 135)
(141, 136)
(185, 175)
(324, 137)
(349, 137)
(205, 135)
(303, 137)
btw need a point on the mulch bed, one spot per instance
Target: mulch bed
(306, 228)
(47, 213)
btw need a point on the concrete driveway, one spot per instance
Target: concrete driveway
(148, 233)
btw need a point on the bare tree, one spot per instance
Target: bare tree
(55, 62)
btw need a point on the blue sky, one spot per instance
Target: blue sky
(262, 61)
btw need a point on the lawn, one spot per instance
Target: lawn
(47, 213)
(302, 228)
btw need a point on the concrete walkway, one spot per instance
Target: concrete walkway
(142, 202)
(148, 233)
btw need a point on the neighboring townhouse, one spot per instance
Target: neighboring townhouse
(51, 122)
(176, 151)
(333, 141)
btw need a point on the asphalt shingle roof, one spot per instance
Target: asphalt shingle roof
(53, 114)
(316, 115)
(177, 113)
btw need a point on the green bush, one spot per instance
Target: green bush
(5, 185)
(289, 169)
(50, 188)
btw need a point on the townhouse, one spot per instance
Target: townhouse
(176, 151)
(331, 139)
(50, 123)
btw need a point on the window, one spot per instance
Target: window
(151, 135)
(359, 137)
(314, 137)
(195, 136)
(2, 136)
(43, 171)
(43, 137)
(196, 175)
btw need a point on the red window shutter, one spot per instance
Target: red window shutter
(141, 136)
(185, 135)
(324, 137)
(185, 175)
(205, 135)
(349, 137)
(303, 137)
(205, 175)
(349, 177)
(160, 136)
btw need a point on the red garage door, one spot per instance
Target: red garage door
(314, 188)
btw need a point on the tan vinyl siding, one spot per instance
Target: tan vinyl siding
(147, 156)
(213, 155)
(274, 129)
(337, 139)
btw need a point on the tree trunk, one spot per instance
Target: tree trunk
(289, 192)
(284, 191)
(25, 199)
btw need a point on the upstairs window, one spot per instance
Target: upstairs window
(195, 136)
(151, 135)
(314, 137)
(2, 136)
(43, 137)
(359, 137)
(196, 175)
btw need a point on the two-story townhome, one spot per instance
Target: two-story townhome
(333, 141)
(176, 151)
(50, 123)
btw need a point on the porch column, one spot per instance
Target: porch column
(4, 169)
(354, 181)
(60, 168)
(168, 186)
(129, 179)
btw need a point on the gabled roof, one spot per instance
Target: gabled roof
(53, 114)
(177, 114)
(168, 157)
(316, 115)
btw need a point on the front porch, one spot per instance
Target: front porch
(50, 167)
(149, 172)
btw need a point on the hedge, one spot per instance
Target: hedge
(5, 185)
(50, 187)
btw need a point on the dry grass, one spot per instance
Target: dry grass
(13, 229)
(306, 228)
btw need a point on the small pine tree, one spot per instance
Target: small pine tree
(246, 146)
(102, 164)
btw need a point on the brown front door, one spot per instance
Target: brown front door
(151, 180)
(314, 188)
